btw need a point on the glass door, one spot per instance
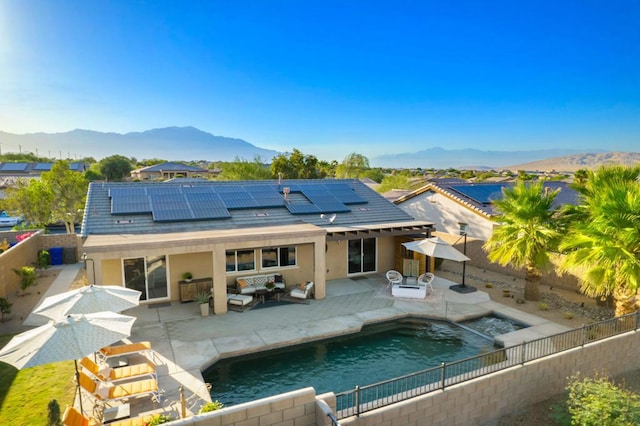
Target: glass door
(147, 275)
(362, 256)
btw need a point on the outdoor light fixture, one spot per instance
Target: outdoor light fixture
(462, 287)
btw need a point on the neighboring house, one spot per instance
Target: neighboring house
(11, 172)
(147, 235)
(169, 170)
(449, 203)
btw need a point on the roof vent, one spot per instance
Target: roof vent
(124, 222)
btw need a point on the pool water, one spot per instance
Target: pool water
(379, 352)
(493, 325)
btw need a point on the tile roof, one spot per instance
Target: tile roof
(365, 207)
(171, 167)
(479, 196)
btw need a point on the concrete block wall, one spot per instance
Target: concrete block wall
(46, 241)
(297, 408)
(23, 254)
(487, 398)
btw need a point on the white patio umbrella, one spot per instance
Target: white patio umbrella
(70, 338)
(88, 299)
(436, 247)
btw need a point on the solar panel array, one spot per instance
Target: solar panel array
(169, 203)
(482, 194)
(14, 167)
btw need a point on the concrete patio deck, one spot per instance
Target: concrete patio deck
(186, 343)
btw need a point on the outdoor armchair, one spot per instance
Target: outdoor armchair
(394, 277)
(302, 293)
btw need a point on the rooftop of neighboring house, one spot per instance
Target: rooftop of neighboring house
(150, 208)
(35, 168)
(480, 196)
(171, 167)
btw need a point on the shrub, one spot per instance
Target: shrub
(567, 315)
(211, 406)
(488, 285)
(160, 419)
(27, 276)
(43, 259)
(5, 308)
(599, 401)
(543, 306)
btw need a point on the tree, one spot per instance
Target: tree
(31, 198)
(115, 167)
(353, 166)
(602, 245)
(296, 166)
(525, 233)
(241, 169)
(69, 190)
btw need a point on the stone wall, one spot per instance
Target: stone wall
(487, 398)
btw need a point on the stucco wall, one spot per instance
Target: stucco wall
(484, 399)
(23, 254)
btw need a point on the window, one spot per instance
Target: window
(275, 257)
(240, 260)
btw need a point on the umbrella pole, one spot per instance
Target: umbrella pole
(75, 362)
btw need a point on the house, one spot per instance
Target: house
(455, 205)
(168, 170)
(10, 172)
(147, 235)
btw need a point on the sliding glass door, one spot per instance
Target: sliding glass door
(362, 256)
(148, 275)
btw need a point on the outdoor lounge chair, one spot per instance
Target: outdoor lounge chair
(301, 293)
(106, 373)
(394, 277)
(139, 348)
(239, 302)
(73, 417)
(109, 392)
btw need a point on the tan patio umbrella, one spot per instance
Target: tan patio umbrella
(436, 247)
(73, 337)
(88, 299)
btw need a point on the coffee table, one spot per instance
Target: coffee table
(269, 294)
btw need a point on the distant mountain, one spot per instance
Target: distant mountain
(440, 158)
(171, 143)
(571, 163)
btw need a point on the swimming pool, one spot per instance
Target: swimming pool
(379, 352)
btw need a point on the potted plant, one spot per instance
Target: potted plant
(203, 301)
(187, 276)
(270, 285)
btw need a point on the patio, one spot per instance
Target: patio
(187, 343)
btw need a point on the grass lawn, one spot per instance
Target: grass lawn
(25, 394)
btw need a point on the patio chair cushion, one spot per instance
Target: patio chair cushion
(242, 283)
(73, 417)
(239, 299)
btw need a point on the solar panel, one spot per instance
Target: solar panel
(130, 205)
(302, 208)
(253, 188)
(162, 189)
(162, 214)
(347, 196)
(127, 192)
(196, 189)
(14, 167)
(209, 209)
(247, 203)
(42, 166)
(241, 195)
(483, 194)
(202, 197)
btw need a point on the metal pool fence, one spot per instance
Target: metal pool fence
(369, 397)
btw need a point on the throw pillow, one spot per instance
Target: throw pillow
(278, 278)
(242, 283)
(104, 371)
(303, 285)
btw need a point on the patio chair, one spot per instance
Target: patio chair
(106, 373)
(426, 279)
(301, 293)
(139, 348)
(394, 277)
(109, 392)
(73, 417)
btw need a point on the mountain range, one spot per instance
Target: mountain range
(189, 143)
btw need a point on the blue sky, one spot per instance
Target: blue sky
(329, 78)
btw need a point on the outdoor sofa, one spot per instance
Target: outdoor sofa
(249, 284)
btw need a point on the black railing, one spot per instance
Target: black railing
(367, 398)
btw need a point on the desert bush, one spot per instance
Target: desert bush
(543, 306)
(27, 276)
(211, 406)
(598, 401)
(5, 308)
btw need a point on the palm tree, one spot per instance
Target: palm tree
(525, 233)
(603, 249)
